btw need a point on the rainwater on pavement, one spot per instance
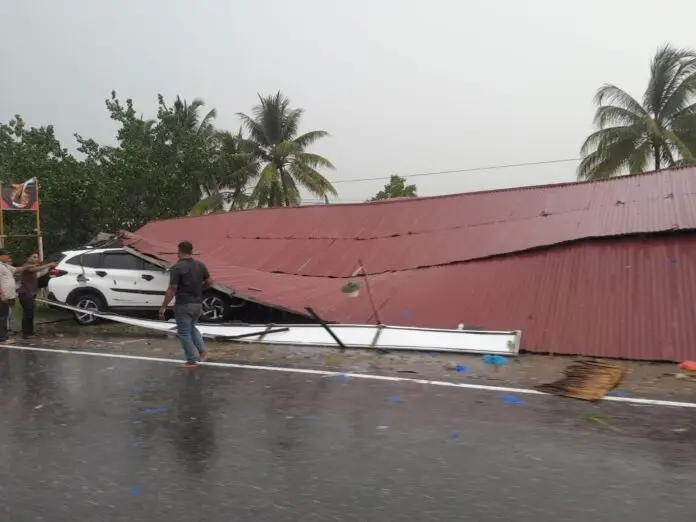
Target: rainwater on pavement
(110, 439)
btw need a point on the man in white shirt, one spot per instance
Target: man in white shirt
(8, 293)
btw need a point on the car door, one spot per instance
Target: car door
(83, 268)
(154, 283)
(122, 272)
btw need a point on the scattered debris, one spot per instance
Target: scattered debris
(153, 411)
(688, 365)
(510, 399)
(455, 434)
(495, 360)
(600, 420)
(586, 380)
(135, 490)
(460, 368)
(118, 343)
(394, 398)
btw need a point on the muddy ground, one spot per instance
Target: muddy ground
(653, 380)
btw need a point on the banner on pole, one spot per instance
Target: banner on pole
(20, 196)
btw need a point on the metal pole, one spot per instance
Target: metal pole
(323, 323)
(369, 293)
(39, 235)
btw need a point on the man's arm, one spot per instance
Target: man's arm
(171, 290)
(207, 282)
(39, 268)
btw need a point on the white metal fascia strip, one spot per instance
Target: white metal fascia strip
(351, 335)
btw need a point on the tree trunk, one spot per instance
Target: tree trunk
(656, 148)
(285, 188)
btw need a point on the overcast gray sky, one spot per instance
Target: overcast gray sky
(403, 86)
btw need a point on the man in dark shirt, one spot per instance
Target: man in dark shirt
(187, 280)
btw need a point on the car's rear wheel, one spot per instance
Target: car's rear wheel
(215, 308)
(89, 302)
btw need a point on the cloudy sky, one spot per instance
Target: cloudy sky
(403, 86)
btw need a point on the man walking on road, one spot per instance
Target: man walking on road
(187, 280)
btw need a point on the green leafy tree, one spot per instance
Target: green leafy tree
(396, 188)
(659, 132)
(158, 168)
(70, 192)
(284, 163)
(232, 169)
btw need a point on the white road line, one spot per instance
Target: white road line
(328, 373)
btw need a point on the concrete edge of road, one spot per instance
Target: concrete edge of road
(330, 373)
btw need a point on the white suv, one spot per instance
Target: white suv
(120, 280)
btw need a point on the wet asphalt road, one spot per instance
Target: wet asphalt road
(93, 438)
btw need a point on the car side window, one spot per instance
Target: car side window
(85, 260)
(121, 261)
(151, 267)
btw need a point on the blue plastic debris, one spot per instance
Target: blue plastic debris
(617, 393)
(394, 398)
(406, 314)
(460, 368)
(672, 261)
(510, 399)
(455, 434)
(135, 490)
(496, 360)
(341, 377)
(434, 354)
(151, 411)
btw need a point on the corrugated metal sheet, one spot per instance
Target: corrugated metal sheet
(327, 241)
(628, 298)
(624, 297)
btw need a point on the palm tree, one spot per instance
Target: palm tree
(285, 166)
(660, 132)
(187, 117)
(231, 170)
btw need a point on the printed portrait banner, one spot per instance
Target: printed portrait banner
(20, 196)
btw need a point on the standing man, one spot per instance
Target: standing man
(8, 290)
(187, 279)
(28, 288)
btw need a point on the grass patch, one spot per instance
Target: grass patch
(42, 313)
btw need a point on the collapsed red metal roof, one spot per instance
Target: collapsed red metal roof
(474, 258)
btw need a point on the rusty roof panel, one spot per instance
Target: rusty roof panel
(476, 258)
(624, 297)
(328, 240)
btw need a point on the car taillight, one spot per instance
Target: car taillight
(56, 273)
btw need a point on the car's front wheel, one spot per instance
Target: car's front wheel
(215, 308)
(90, 303)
